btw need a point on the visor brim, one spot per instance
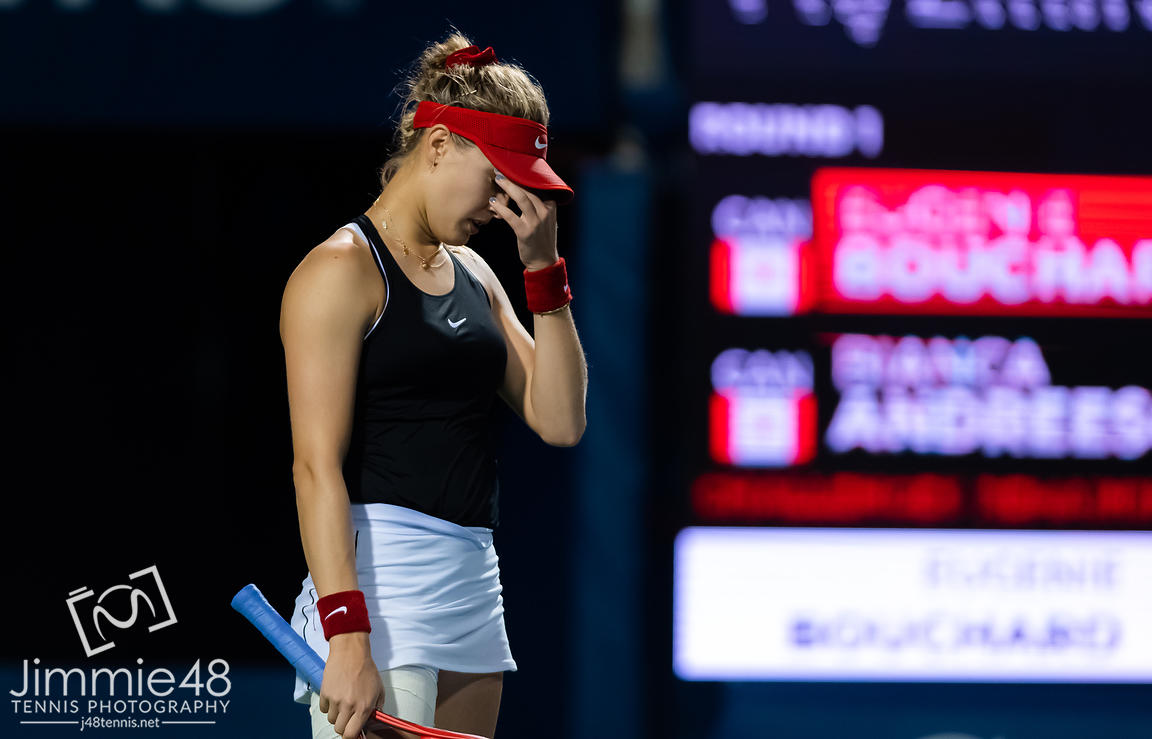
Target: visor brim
(528, 171)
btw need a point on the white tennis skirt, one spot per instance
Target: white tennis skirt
(433, 594)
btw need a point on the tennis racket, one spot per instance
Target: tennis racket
(252, 604)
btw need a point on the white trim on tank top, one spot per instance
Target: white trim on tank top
(387, 286)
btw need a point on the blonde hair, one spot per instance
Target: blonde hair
(504, 88)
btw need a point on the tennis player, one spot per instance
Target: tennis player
(398, 339)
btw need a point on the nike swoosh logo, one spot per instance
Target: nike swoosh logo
(454, 325)
(338, 610)
(539, 145)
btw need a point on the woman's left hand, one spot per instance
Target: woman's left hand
(535, 227)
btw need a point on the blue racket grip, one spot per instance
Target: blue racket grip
(252, 604)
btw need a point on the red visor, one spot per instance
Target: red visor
(515, 146)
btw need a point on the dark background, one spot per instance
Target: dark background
(163, 175)
(164, 172)
(149, 393)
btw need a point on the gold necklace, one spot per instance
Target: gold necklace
(423, 262)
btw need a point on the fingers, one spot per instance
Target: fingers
(355, 724)
(346, 719)
(529, 202)
(506, 214)
(499, 197)
(349, 723)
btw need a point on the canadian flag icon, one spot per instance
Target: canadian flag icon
(759, 276)
(757, 430)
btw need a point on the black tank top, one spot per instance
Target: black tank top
(423, 435)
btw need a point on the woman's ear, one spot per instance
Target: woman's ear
(436, 143)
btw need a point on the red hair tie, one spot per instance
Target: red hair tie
(472, 56)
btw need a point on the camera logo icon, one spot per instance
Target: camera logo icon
(146, 601)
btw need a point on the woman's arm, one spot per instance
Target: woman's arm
(326, 309)
(546, 379)
(557, 384)
(321, 324)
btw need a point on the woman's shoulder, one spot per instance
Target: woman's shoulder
(341, 255)
(344, 241)
(477, 266)
(339, 268)
(466, 252)
(475, 263)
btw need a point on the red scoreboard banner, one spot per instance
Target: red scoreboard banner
(980, 243)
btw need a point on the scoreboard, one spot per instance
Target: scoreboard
(917, 292)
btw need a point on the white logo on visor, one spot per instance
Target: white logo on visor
(539, 145)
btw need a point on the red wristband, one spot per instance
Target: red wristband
(343, 612)
(547, 289)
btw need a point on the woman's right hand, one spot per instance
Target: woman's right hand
(351, 691)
